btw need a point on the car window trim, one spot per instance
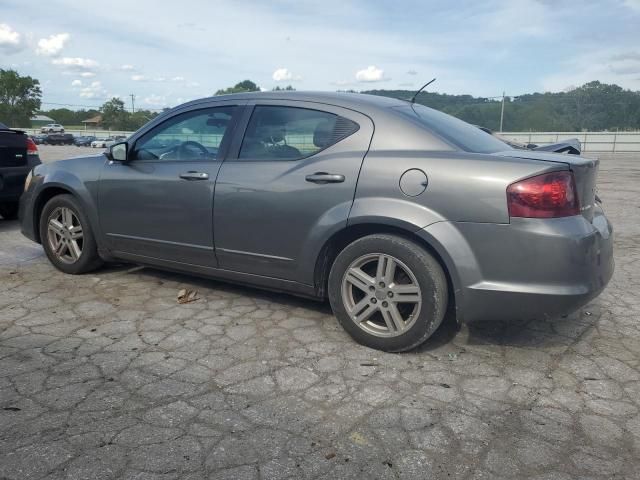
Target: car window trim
(243, 124)
(224, 144)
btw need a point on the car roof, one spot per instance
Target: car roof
(355, 101)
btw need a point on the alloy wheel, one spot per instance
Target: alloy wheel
(64, 232)
(381, 295)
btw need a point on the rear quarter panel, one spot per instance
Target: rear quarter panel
(462, 187)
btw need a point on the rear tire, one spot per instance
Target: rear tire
(9, 210)
(388, 292)
(67, 237)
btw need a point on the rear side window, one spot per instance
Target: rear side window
(292, 133)
(460, 134)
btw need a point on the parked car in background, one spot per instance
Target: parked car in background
(116, 139)
(38, 139)
(52, 128)
(102, 142)
(58, 139)
(84, 140)
(395, 212)
(18, 155)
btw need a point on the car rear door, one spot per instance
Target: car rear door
(159, 204)
(287, 185)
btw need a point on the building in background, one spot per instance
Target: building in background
(93, 122)
(38, 121)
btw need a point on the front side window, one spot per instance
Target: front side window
(291, 133)
(190, 136)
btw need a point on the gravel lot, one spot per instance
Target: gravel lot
(106, 376)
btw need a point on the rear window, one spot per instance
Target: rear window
(291, 133)
(458, 133)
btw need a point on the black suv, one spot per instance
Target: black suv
(58, 139)
(18, 155)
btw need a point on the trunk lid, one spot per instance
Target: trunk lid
(13, 148)
(585, 172)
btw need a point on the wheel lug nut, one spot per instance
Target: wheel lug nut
(381, 284)
(372, 288)
(385, 304)
(374, 300)
(390, 294)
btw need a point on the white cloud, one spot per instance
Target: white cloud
(605, 65)
(632, 4)
(76, 83)
(53, 45)
(177, 79)
(370, 74)
(159, 79)
(284, 75)
(138, 78)
(75, 63)
(10, 40)
(87, 74)
(127, 68)
(193, 84)
(155, 100)
(94, 90)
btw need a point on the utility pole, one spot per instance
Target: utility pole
(502, 112)
(133, 108)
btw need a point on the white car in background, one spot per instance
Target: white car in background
(52, 128)
(102, 142)
(107, 142)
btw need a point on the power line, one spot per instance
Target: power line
(94, 107)
(70, 105)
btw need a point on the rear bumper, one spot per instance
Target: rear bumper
(529, 268)
(12, 182)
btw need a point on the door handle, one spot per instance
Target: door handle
(324, 177)
(194, 176)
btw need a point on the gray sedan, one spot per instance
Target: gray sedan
(393, 211)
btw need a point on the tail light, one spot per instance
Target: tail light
(32, 148)
(549, 195)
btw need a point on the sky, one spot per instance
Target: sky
(84, 52)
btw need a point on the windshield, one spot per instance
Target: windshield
(460, 134)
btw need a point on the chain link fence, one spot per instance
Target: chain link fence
(596, 142)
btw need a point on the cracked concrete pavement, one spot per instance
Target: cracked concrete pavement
(105, 376)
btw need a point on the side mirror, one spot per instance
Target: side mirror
(118, 152)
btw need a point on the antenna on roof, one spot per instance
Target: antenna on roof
(413, 99)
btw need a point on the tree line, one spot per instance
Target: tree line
(594, 106)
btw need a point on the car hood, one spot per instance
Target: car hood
(585, 172)
(571, 146)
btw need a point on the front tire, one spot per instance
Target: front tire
(388, 292)
(67, 237)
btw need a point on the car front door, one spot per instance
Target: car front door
(287, 186)
(158, 205)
